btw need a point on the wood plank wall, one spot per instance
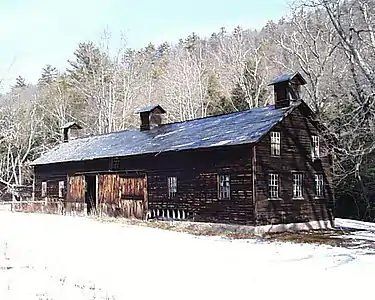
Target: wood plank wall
(197, 191)
(197, 184)
(121, 195)
(296, 132)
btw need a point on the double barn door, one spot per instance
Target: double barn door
(115, 194)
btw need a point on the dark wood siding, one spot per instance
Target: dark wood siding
(52, 180)
(196, 172)
(139, 184)
(296, 131)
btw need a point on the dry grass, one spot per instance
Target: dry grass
(193, 228)
(321, 237)
(235, 232)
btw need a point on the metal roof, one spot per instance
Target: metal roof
(242, 127)
(287, 77)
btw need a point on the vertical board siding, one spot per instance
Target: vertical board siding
(122, 196)
(76, 189)
(296, 131)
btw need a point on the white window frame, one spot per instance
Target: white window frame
(275, 143)
(44, 188)
(273, 186)
(223, 186)
(319, 185)
(61, 188)
(172, 186)
(315, 146)
(297, 185)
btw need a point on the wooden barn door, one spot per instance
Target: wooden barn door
(76, 188)
(124, 196)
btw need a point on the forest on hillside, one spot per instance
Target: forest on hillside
(330, 42)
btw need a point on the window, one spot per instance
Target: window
(273, 186)
(61, 189)
(319, 185)
(44, 189)
(224, 186)
(275, 143)
(172, 186)
(297, 185)
(315, 153)
(114, 163)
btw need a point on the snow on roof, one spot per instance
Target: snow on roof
(150, 108)
(287, 77)
(242, 127)
(71, 125)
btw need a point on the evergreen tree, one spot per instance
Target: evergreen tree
(49, 74)
(20, 82)
(88, 61)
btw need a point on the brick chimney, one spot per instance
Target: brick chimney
(287, 88)
(150, 116)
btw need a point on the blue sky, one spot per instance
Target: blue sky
(36, 32)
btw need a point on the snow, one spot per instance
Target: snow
(61, 257)
(221, 143)
(354, 224)
(365, 231)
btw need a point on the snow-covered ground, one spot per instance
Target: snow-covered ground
(57, 257)
(354, 224)
(365, 231)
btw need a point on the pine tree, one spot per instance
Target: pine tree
(88, 61)
(49, 74)
(20, 82)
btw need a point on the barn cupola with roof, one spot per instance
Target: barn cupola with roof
(287, 88)
(70, 131)
(151, 116)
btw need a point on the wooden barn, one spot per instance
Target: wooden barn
(262, 166)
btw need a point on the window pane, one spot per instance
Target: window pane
(275, 143)
(172, 186)
(297, 185)
(224, 187)
(315, 151)
(319, 185)
(44, 189)
(273, 185)
(61, 189)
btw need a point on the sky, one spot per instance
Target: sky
(34, 33)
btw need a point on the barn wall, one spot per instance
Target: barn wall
(296, 131)
(197, 195)
(52, 184)
(197, 191)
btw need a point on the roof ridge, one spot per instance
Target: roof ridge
(220, 115)
(241, 127)
(177, 122)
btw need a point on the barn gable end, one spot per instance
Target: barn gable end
(296, 132)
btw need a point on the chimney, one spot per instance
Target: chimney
(70, 131)
(150, 116)
(287, 88)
